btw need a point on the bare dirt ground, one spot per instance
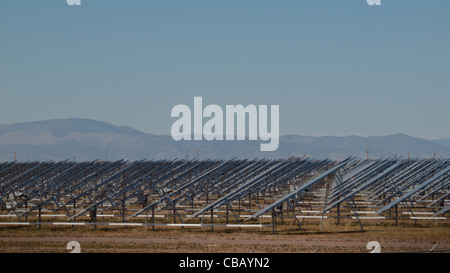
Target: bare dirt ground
(334, 238)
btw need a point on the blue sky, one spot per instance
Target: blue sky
(334, 67)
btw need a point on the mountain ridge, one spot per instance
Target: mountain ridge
(86, 139)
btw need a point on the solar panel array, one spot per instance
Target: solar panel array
(237, 193)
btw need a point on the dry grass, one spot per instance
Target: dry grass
(345, 237)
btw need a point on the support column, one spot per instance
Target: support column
(338, 215)
(153, 218)
(274, 220)
(396, 215)
(227, 213)
(174, 213)
(123, 208)
(39, 217)
(212, 220)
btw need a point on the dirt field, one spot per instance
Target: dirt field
(345, 238)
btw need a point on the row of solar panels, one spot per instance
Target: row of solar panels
(76, 188)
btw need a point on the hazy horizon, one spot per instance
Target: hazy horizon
(287, 134)
(335, 68)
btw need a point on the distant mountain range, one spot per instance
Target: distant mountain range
(444, 141)
(85, 140)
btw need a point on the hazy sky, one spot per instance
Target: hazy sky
(334, 67)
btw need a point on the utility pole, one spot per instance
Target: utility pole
(197, 154)
(15, 155)
(367, 153)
